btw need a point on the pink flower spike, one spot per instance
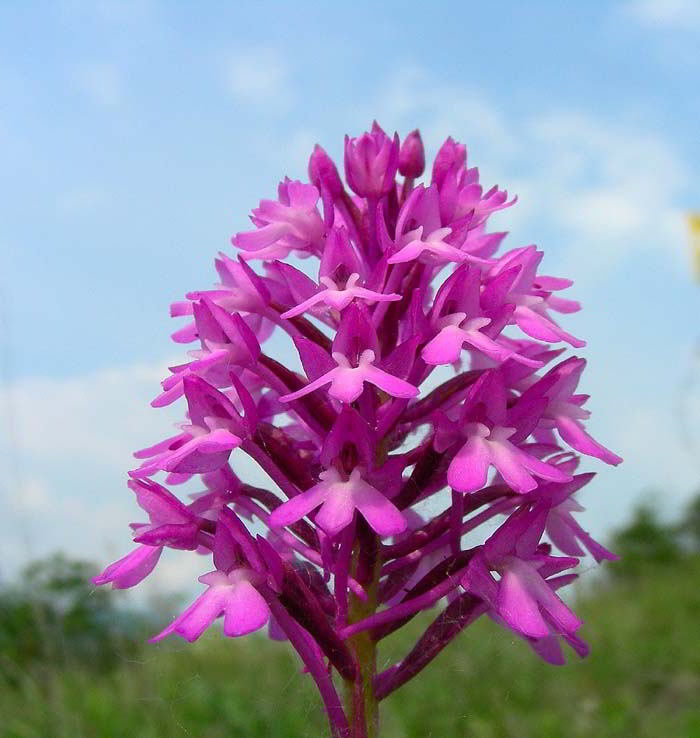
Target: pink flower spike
(378, 280)
(339, 498)
(232, 595)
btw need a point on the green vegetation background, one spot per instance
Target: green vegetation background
(642, 679)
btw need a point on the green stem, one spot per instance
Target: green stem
(362, 707)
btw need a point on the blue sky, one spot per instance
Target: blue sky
(136, 136)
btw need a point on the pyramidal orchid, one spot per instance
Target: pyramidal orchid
(377, 284)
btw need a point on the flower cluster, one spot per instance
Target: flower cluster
(376, 287)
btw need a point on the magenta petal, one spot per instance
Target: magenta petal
(578, 644)
(336, 513)
(203, 454)
(246, 610)
(518, 608)
(173, 535)
(131, 569)
(599, 553)
(198, 616)
(165, 445)
(159, 503)
(511, 468)
(562, 536)
(315, 360)
(381, 514)
(389, 383)
(347, 384)
(573, 433)
(544, 329)
(258, 239)
(445, 348)
(479, 581)
(299, 506)
(549, 650)
(565, 620)
(468, 470)
(539, 468)
(322, 381)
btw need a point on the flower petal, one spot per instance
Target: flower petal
(245, 610)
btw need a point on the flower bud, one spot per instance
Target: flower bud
(412, 156)
(371, 161)
(451, 154)
(323, 172)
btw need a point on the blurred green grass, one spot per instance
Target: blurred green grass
(642, 680)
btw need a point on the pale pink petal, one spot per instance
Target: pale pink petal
(130, 569)
(565, 620)
(495, 351)
(302, 307)
(574, 434)
(198, 616)
(518, 608)
(347, 384)
(381, 514)
(311, 386)
(468, 470)
(510, 467)
(336, 513)
(446, 347)
(299, 506)
(389, 383)
(246, 610)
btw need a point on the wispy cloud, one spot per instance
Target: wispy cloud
(671, 14)
(258, 75)
(102, 82)
(605, 186)
(97, 416)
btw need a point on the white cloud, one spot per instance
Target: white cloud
(33, 495)
(258, 75)
(65, 446)
(675, 14)
(103, 83)
(100, 416)
(608, 187)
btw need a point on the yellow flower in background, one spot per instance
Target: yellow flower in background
(694, 226)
